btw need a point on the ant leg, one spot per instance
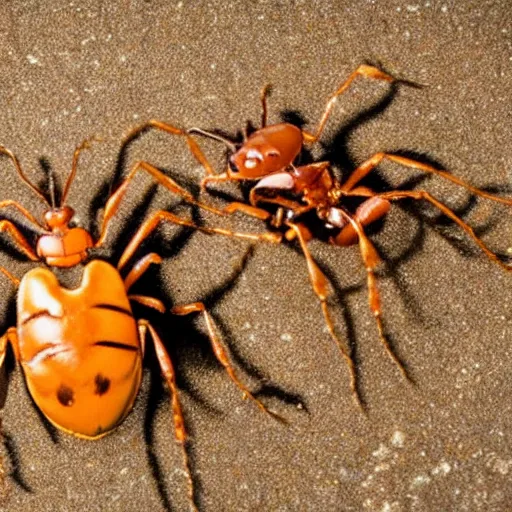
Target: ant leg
(114, 200)
(363, 70)
(3, 349)
(297, 207)
(159, 125)
(152, 123)
(154, 220)
(211, 176)
(22, 210)
(220, 352)
(170, 377)
(10, 336)
(367, 212)
(21, 241)
(86, 144)
(305, 233)
(366, 167)
(251, 211)
(276, 219)
(149, 302)
(421, 194)
(227, 175)
(140, 267)
(15, 281)
(201, 158)
(21, 174)
(320, 286)
(134, 275)
(371, 259)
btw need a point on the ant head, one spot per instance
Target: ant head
(59, 217)
(267, 150)
(255, 161)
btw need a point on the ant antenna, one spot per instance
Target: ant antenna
(86, 144)
(213, 136)
(21, 174)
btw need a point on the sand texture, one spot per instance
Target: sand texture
(73, 69)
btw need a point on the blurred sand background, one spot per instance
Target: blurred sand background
(73, 69)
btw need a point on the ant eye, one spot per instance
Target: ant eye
(273, 153)
(232, 166)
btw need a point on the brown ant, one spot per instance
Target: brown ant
(268, 155)
(81, 349)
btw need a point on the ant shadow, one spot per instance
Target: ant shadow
(336, 151)
(8, 441)
(195, 344)
(170, 324)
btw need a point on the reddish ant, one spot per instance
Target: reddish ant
(81, 350)
(268, 155)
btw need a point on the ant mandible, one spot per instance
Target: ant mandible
(268, 155)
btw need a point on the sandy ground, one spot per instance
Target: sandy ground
(73, 69)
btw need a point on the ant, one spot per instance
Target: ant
(81, 349)
(268, 155)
